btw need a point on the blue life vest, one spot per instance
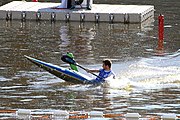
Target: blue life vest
(102, 74)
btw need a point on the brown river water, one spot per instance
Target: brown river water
(148, 80)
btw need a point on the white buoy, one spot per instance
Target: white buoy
(23, 114)
(60, 114)
(132, 116)
(23, 111)
(168, 117)
(96, 114)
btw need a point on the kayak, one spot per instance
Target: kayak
(62, 73)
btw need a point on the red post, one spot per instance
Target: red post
(161, 31)
(34, 0)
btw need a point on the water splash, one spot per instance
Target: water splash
(150, 73)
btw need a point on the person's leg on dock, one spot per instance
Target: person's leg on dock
(88, 5)
(72, 4)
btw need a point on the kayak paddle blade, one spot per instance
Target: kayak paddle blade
(68, 59)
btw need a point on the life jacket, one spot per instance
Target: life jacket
(103, 74)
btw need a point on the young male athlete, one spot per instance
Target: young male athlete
(104, 72)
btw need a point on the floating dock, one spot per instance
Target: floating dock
(22, 10)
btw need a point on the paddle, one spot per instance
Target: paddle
(70, 60)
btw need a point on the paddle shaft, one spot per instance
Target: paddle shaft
(88, 71)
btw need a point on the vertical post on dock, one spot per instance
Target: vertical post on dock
(161, 31)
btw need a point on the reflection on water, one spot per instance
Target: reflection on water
(148, 80)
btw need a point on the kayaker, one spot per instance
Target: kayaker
(104, 72)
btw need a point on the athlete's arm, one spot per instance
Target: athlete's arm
(92, 70)
(112, 75)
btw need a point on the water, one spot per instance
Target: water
(148, 79)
